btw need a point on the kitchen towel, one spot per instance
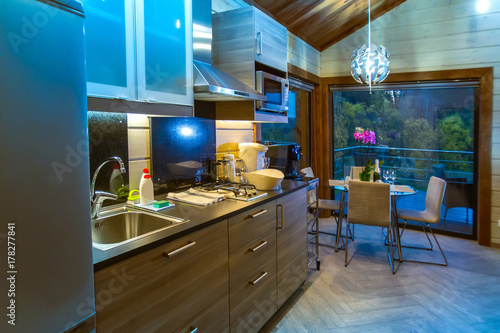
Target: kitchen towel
(196, 197)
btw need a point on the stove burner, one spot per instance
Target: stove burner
(241, 191)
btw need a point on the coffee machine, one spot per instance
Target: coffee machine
(285, 157)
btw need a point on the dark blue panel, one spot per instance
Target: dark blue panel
(179, 146)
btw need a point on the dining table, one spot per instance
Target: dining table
(396, 191)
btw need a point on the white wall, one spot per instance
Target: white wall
(426, 35)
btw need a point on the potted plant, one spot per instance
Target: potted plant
(365, 175)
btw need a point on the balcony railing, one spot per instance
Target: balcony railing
(413, 166)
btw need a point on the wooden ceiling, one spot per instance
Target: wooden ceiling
(322, 23)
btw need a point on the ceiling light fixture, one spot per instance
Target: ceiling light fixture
(370, 64)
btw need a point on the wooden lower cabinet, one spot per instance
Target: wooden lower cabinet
(291, 243)
(213, 319)
(228, 277)
(160, 290)
(253, 302)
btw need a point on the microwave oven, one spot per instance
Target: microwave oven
(275, 88)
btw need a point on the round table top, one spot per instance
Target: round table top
(397, 190)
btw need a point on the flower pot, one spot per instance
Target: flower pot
(364, 177)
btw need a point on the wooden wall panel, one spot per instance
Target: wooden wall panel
(303, 55)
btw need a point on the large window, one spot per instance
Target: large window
(421, 130)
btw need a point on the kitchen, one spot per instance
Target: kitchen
(138, 104)
(58, 146)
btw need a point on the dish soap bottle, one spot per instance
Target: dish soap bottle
(146, 191)
(116, 180)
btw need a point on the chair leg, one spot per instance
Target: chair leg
(417, 247)
(345, 245)
(445, 263)
(390, 251)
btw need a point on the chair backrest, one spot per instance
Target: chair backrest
(355, 170)
(434, 198)
(308, 171)
(369, 203)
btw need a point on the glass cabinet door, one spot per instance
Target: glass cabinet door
(164, 51)
(109, 39)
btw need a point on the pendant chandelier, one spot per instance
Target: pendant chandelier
(370, 64)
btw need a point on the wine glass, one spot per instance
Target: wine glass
(385, 174)
(393, 176)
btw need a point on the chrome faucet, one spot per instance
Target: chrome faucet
(100, 196)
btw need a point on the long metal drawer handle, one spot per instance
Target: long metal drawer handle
(179, 250)
(258, 213)
(259, 246)
(277, 218)
(254, 282)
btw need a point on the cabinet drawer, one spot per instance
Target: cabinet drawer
(244, 262)
(254, 301)
(213, 319)
(251, 224)
(159, 290)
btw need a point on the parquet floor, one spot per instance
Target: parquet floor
(367, 297)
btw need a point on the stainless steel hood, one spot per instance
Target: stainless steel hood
(210, 83)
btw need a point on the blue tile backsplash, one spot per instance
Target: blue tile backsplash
(179, 146)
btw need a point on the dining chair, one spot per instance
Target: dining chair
(431, 214)
(330, 205)
(370, 204)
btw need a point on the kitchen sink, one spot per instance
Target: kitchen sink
(119, 226)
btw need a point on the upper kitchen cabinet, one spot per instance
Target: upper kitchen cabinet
(270, 41)
(164, 51)
(109, 39)
(139, 56)
(244, 36)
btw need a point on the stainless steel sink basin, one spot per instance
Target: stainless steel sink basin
(119, 226)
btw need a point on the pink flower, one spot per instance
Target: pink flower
(365, 136)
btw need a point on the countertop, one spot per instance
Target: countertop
(199, 217)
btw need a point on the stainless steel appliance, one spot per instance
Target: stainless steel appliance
(210, 83)
(276, 90)
(285, 157)
(45, 208)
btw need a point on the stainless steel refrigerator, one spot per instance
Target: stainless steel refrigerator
(45, 240)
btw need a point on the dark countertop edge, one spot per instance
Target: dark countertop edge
(101, 264)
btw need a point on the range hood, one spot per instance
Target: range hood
(210, 83)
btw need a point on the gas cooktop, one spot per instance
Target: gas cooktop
(234, 191)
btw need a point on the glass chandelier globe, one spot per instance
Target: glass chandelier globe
(370, 65)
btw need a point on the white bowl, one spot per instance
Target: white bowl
(267, 179)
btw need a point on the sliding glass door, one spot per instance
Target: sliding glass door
(419, 130)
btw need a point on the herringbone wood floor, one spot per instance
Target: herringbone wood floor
(367, 297)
